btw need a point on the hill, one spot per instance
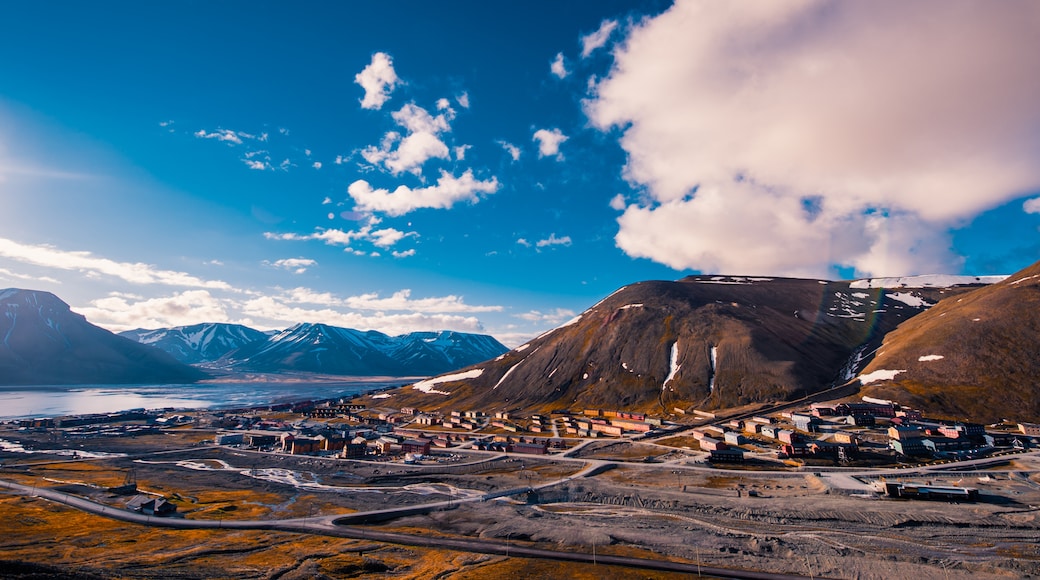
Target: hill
(42, 342)
(701, 342)
(974, 355)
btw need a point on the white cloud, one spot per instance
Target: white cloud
(557, 67)
(463, 100)
(124, 312)
(800, 127)
(552, 240)
(224, 135)
(257, 165)
(617, 202)
(294, 265)
(421, 144)
(511, 149)
(554, 317)
(448, 191)
(87, 263)
(402, 301)
(382, 238)
(549, 142)
(460, 152)
(5, 273)
(326, 201)
(277, 311)
(592, 42)
(404, 254)
(1032, 205)
(316, 165)
(378, 79)
(523, 242)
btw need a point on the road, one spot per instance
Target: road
(322, 526)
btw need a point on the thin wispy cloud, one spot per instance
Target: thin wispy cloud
(87, 263)
(597, 40)
(294, 265)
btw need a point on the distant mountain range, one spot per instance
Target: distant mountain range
(320, 348)
(42, 342)
(710, 342)
(199, 343)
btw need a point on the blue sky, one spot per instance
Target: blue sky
(500, 166)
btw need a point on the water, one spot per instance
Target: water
(55, 401)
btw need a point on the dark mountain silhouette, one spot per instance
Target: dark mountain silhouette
(43, 342)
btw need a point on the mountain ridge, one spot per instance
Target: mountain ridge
(699, 342)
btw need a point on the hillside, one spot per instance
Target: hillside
(45, 343)
(701, 342)
(975, 355)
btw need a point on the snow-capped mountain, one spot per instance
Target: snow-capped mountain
(199, 343)
(321, 348)
(43, 342)
(701, 342)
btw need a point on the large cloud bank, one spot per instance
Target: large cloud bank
(796, 137)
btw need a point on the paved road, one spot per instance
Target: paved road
(322, 526)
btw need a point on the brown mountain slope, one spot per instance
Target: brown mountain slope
(650, 346)
(989, 341)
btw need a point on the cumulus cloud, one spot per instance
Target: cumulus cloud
(549, 142)
(421, 143)
(558, 68)
(617, 202)
(119, 312)
(89, 264)
(445, 193)
(460, 152)
(523, 242)
(294, 265)
(405, 254)
(821, 134)
(593, 42)
(511, 149)
(1032, 205)
(552, 240)
(378, 79)
(463, 100)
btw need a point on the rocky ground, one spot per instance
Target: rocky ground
(782, 522)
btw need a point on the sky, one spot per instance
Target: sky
(498, 167)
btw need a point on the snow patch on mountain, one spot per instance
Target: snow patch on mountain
(926, 281)
(673, 364)
(879, 375)
(426, 386)
(910, 299)
(930, 357)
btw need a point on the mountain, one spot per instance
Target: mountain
(320, 348)
(974, 355)
(701, 342)
(199, 343)
(43, 342)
